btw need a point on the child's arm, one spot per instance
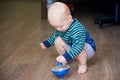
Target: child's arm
(78, 42)
(77, 47)
(50, 41)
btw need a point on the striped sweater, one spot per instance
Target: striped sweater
(76, 36)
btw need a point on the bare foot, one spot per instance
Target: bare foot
(82, 69)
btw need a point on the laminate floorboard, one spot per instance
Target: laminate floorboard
(21, 58)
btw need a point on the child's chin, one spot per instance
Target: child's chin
(63, 30)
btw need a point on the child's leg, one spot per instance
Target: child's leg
(87, 53)
(82, 62)
(60, 45)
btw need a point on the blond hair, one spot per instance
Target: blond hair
(57, 11)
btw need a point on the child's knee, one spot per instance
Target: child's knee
(57, 40)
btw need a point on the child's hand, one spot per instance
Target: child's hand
(42, 46)
(61, 59)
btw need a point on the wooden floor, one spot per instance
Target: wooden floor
(21, 58)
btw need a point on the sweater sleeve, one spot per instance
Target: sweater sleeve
(78, 42)
(50, 41)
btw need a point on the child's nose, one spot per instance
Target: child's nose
(58, 29)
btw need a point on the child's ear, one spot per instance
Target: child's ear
(69, 17)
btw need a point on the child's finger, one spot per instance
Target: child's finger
(42, 46)
(61, 59)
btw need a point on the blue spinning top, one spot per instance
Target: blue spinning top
(60, 70)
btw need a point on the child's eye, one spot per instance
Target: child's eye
(61, 26)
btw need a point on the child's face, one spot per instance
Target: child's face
(62, 24)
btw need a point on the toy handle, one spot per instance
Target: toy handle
(59, 64)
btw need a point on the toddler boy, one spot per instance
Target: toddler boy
(71, 39)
